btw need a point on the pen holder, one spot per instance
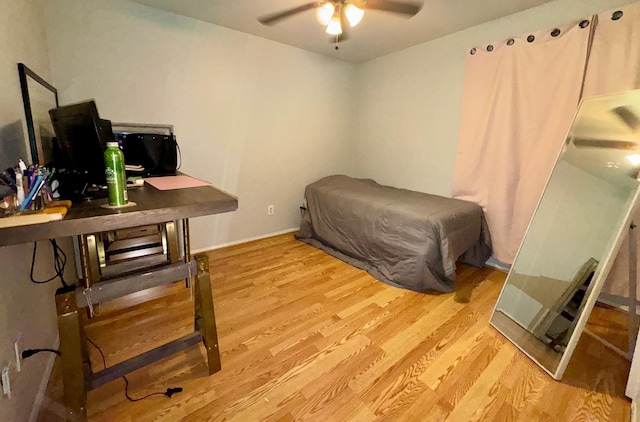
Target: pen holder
(9, 205)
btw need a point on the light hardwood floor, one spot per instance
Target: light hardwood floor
(305, 336)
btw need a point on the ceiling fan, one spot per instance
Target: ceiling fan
(629, 118)
(335, 14)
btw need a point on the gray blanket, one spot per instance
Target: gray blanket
(404, 238)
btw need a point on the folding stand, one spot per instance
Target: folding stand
(78, 377)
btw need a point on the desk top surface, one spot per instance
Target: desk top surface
(152, 206)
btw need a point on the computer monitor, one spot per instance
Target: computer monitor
(82, 138)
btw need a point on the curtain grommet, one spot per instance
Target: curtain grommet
(472, 51)
(617, 15)
(531, 38)
(490, 47)
(510, 41)
(584, 23)
(555, 32)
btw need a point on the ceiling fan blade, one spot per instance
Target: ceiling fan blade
(628, 117)
(405, 8)
(604, 143)
(275, 17)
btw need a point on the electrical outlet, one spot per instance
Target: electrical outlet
(270, 210)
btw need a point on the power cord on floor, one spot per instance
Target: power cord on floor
(59, 262)
(27, 353)
(104, 360)
(170, 391)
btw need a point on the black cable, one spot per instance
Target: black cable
(170, 391)
(27, 353)
(104, 361)
(59, 263)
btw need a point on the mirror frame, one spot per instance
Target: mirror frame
(599, 276)
(24, 72)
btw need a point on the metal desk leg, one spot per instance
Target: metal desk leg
(170, 241)
(205, 319)
(73, 353)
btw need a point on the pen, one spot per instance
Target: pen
(32, 193)
(25, 175)
(19, 188)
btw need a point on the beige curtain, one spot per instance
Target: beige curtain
(520, 97)
(614, 66)
(614, 63)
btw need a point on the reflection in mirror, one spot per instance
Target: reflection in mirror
(575, 232)
(12, 144)
(38, 97)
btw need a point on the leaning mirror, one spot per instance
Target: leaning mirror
(38, 97)
(575, 233)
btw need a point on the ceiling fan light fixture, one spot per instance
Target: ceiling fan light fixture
(353, 13)
(334, 27)
(634, 159)
(325, 12)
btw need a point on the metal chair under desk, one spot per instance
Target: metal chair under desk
(115, 264)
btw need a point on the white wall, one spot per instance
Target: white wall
(256, 118)
(26, 309)
(409, 102)
(574, 200)
(260, 119)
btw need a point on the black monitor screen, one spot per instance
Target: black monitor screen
(82, 138)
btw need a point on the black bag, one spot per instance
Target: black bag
(149, 154)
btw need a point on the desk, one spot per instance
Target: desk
(153, 207)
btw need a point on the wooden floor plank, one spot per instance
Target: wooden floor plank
(306, 337)
(483, 390)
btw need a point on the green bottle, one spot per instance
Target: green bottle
(116, 176)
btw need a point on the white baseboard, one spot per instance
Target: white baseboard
(249, 239)
(634, 412)
(44, 382)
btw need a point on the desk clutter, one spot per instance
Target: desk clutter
(53, 211)
(28, 197)
(89, 158)
(180, 181)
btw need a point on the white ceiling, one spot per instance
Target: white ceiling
(378, 34)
